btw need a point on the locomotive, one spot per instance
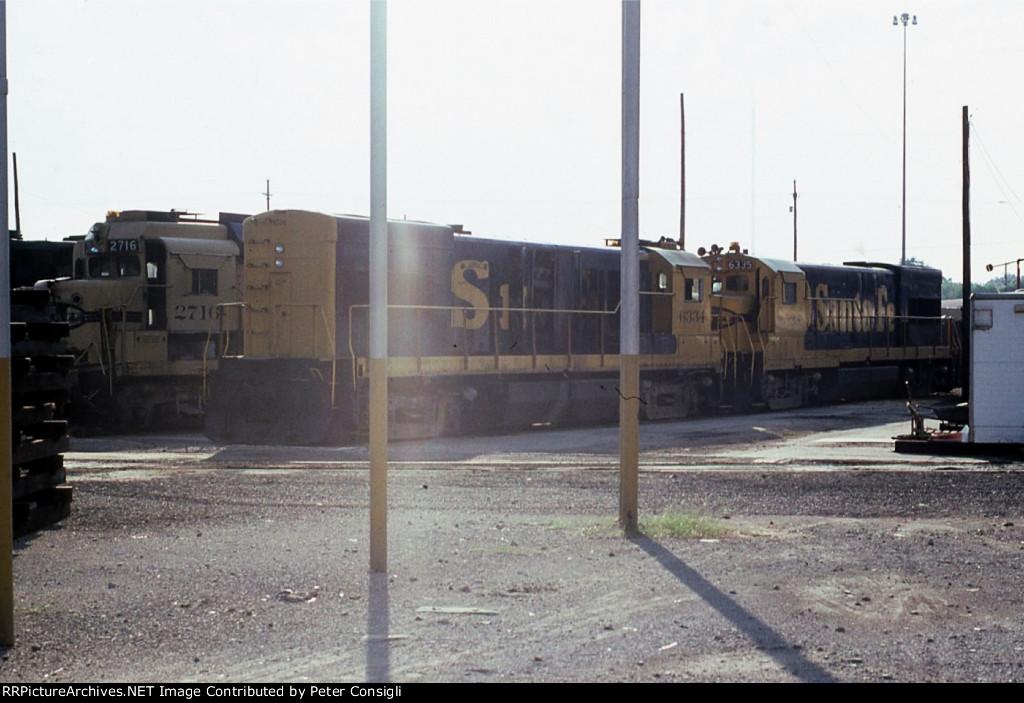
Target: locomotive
(144, 291)
(492, 335)
(799, 332)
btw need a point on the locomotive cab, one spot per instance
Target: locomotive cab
(762, 311)
(680, 300)
(146, 290)
(679, 307)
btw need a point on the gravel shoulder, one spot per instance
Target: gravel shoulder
(841, 561)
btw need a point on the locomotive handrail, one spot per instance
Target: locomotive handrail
(734, 321)
(469, 308)
(868, 327)
(604, 314)
(223, 335)
(334, 358)
(753, 356)
(136, 289)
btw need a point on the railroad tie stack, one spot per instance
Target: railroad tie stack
(42, 374)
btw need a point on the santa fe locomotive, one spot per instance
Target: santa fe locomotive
(144, 291)
(488, 335)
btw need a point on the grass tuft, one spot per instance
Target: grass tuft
(689, 525)
(672, 523)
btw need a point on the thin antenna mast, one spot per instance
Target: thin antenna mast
(17, 204)
(793, 210)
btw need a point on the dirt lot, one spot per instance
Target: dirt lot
(840, 561)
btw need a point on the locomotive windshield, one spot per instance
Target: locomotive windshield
(737, 284)
(107, 266)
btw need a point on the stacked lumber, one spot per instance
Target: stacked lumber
(42, 375)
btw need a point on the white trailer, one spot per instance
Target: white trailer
(997, 369)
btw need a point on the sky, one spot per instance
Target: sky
(504, 116)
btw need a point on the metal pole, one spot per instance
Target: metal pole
(753, 178)
(629, 369)
(6, 452)
(965, 314)
(378, 287)
(903, 207)
(682, 173)
(905, 18)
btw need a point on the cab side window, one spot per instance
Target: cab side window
(204, 281)
(789, 293)
(694, 290)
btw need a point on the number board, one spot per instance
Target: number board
(118, 246)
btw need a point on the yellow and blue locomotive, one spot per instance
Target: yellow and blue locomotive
(145, 289)
(483, 334)
(490, 335)
(793, 333)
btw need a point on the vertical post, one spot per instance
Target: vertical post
(6, 458)
(965, 315)
(682, 173)
(17, 204)
(378, 287)
(629, 369)
(906, 19)
(794, 220)
(903, 206)
(753, 178)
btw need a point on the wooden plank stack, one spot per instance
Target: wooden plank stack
(42, 375)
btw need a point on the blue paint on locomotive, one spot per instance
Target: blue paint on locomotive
(876, 306)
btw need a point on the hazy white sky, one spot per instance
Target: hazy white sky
(504, 116)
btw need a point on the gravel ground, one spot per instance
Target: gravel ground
(840, 561)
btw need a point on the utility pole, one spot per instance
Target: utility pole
(267, 193)
(629, 343)
(682, 173)
(6, 450)
(965, 311)
(378, 286)
(793, 210)
(904, 18)
(17, 204)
